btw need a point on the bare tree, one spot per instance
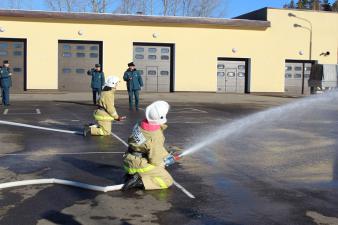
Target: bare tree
(99, 6)
(205, 8)
(63, 5)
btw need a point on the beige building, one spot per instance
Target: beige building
(262, 51)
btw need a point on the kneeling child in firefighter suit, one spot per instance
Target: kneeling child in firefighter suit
(144, 160)
(106, 112)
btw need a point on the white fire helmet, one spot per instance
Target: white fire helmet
(156, 113)
(112, 81)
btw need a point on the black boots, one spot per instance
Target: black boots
(133, 181)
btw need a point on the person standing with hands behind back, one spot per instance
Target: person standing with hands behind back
(97, 82)
(5, 82)
(134, 83)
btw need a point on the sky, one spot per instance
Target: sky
(232, 7)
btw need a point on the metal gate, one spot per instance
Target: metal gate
(231, 76)
(15, 52)
(297, 75)
(75, 59)
(155, 65)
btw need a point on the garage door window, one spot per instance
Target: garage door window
(17, 70)
(80, 55)
(17, 53)
(241, 74)
(3, 45)
(67, 54)
(67, 47)
(3, 53)
(66, 70)
(139, 56)
(241, 67)
(17, 45)
(152, 57)
(164, 57)
(288, 75)
(220, 74)
(231, 74)
(152, 50)
(298, 75)
(165, 50)
(164, 73)
(220, 66)
(80, 47)
(298, 68)
(288, 68)
(139, 49)
(94, 55)
(81, 71)
(152, 72)
(94, 48)
(308, 68)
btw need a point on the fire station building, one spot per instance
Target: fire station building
(265, 51)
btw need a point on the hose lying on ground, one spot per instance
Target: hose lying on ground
(63, 182)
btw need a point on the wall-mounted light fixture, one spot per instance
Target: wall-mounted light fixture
(80, 32)
(234, 50)
(155, 35)
(325, 53)
(301, 52)
(2, 29)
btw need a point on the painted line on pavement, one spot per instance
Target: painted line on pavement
(6, 111)
(38, 111)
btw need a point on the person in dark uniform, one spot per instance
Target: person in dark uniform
(134, 83)
(5, 82)
(97, 81)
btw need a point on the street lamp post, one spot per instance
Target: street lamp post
(304, 27)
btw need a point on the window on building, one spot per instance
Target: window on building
(298, 68)
(17, 45)
(3, 45)
(80, 71)
(139, 56)
(94, 55)
(139, 49)
(17, 70)
(164, 57)
(230, 74)
(67, 54)
(152, 50)
(297, 75)
(152, 57)
(241, 67)
(3, 53)
(94, 48)
(165, 50)
(67, 47)
(288, 75)
(66, 70)
(220, 74)
(288, 68)
(80, 47)
(164, 73)
(17, 53)
(308, 68)
(220, 66)
(80, 55)
(241, 74)
(152, 72)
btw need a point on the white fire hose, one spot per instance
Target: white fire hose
(63, 182)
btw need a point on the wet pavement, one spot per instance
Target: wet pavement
(281, 172)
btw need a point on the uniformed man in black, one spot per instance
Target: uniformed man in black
(5, 82)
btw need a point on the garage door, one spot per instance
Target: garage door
(154, 63)
(297, 75)
(231, 76)
(75, 59)
(14, 52)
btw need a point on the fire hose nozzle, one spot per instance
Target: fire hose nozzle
(171, 159)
